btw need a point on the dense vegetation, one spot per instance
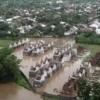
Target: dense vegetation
(88, 91)
(88, 37)
(49, 13)
(9, 68)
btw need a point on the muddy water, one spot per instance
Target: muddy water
(28, 61)
(11, 91)
(58, 78)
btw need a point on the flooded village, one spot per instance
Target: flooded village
(50, 50)
(64, 68)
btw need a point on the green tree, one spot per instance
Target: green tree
(81, 86)
(59, 30)
(96, 91)
(88, 91)
(14, 32)
(4, 26)
(9, 64)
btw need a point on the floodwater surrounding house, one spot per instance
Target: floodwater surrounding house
(60, 77)
(54, 82)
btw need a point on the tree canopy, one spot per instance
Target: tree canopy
(8, 66)
(88, 91)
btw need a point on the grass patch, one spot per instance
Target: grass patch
(92, 48)
(5, 43)
(22, 82)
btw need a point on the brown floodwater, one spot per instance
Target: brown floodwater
(60, 77)
(28, 61)
(11, 91)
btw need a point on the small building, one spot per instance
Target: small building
(98, 31)
(62, 23)
(59, 1)
(73, 30)
(43, 25)
(94, 26)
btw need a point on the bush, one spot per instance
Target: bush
(88, 37)
(9, 71)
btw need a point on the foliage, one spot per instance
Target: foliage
(22, 82)
(4, 27)
(14, 32)
(8, 66)
(96, 91)
(5, 43)
(59, 30)
(88, 91)
(81, 86)
(88, 37)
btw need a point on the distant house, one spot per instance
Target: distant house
(43, 25)
(62, 23)
(98, 31)
(9, 32)
(1, 20)
(73, 30)
(80, 11)
(31, 19)
(37, 12)
(16, 17)
(9, 20)
(13, 20)
(59, 1)
(69, 11)
(52, 26)
(57, 8)
(81, 26)
(21, 30)
(28, 27)
(67, 33)
(94, 26)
